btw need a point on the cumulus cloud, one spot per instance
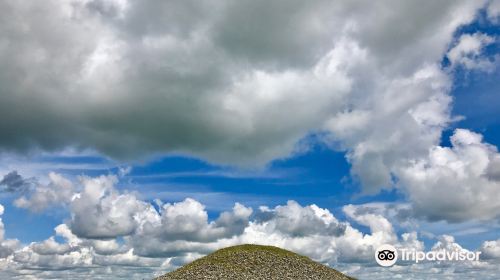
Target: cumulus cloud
(184, 227)
(491, 249)
(455, 183)
(59, 191)
(468, 52)
(190, 220)
(100, 212)
(294, 220)
(121, 230)
(225, 84)
(446, 242)
(377, 223)
(153, 240)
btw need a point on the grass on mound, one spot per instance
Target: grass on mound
(254, 262)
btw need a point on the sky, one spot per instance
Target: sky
(137, 136)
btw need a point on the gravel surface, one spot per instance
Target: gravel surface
(254, 262)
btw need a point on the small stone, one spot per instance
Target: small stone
(254, 262)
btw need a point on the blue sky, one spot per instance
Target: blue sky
(133, 134)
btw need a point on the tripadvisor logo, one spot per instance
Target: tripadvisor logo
(387, 255)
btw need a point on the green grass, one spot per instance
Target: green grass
(253, 248)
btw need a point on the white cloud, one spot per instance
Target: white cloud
(58, 191)
(491, 249)
(163, 239)
(468, 52)
(50, 247)
(393, 127)
(188, 220)
(378, 224)
(99, 211)
(7, 246)
(2, 229)
(455, 183)
(294, 220)
(180, 231)
(446, 242)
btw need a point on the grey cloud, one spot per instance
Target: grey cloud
(5, 251)
(147, 79)
(234, 222)
(51, 247)
(108, 9)
(98, 212)
(13, 182)
(493, 11)
(493, 171)
(286, 34)
(232, 82)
